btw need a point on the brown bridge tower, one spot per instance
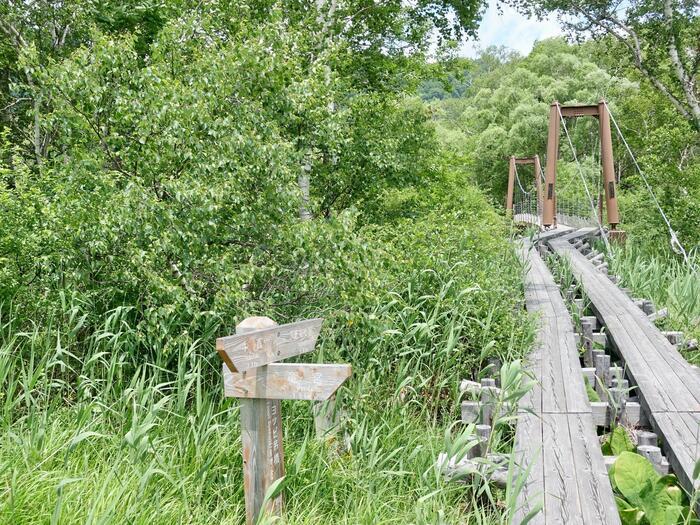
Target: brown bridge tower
(599, 111)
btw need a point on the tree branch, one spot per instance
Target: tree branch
(685, 80)
(624, 34)
(10, 31)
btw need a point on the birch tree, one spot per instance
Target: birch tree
(661, 38)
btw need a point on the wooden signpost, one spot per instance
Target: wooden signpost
(251, 372)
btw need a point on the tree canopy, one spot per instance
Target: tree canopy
(660, 39)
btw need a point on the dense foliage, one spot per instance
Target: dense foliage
(153, 169)
(415, 306)
(659, 40)
(186, 171)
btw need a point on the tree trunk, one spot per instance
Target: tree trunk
(687, 83)
(325, 19)
(304, 182)
(38, 146)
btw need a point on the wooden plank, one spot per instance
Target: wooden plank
(559, 369)
(679, 433)
(263, 454)
(674, 383)
(667, 386)
(537, 301)
(248, 350)
(665, 378)
(580, 233)
(670, 354)
(554, 398)
(561, 498)
(528, 452)
(572, 374)
(553, 233)
(311, 382)
(597, 500)
(261, 440)
(532, 401)
(653, 390)
(558, 441)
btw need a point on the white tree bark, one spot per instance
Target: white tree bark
(304, 182)
(688, 105)
(686, 81)
(325, 11)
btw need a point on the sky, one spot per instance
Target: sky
(510, 29)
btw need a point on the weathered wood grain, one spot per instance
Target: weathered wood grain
(248, 350)
(598, 502)
(553, 233)
(528, 457)
(664, 377)
(310, 382)
(680, 434)
(261, 439)
(556, 359)
(555, 433)
(562, 500)
(263, 454)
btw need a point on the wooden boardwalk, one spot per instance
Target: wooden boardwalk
(555, 435)
(668, 388)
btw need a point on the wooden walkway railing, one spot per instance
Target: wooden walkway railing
(527, 218)
(555, 436)
(668, 388)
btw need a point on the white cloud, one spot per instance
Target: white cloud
(511, 29)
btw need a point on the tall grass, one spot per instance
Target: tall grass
(94, 433)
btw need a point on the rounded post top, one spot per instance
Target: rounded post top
(250, 324)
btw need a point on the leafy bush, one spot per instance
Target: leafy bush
(645, 496)
(129, 388)
(164, 211)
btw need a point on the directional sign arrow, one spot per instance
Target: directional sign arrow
(311, 382)
(242, 352)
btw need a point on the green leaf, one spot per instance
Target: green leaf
(660, 498)
(629, 515)
(632, 474)
(620, 441)
(664, 504)
(531, 515)
(592, 394)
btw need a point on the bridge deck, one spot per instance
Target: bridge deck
(555, 435)
(668, 388)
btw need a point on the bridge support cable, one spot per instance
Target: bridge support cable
(522, 204)
(676, 244)
(523, 201)
(603, 234)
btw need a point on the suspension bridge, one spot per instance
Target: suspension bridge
(592, 335)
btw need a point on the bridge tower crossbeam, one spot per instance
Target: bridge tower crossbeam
(556, 114)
